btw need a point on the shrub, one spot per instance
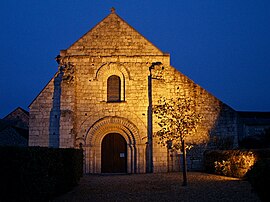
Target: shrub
(210, 157)
(261, 153)
(259, 178)
(234, 163)
(36, 173)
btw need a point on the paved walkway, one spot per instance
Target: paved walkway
(160, 187)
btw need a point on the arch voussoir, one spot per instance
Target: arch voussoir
(104, 126)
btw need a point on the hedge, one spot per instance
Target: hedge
(234, 163)
(38, 173)
(259, 178)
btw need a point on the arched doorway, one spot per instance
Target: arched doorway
(114, 154)
(135, 159)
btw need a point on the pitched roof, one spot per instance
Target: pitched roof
(12, 136)
(18, 109)
(18, 117)
(255, 118)
(113, 36)
(254, 115)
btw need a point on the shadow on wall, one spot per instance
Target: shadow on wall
(223, 136)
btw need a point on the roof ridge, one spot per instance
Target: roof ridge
(113, 13)
(16, 110)
(138, 32)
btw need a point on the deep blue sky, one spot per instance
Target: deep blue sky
(223, 45)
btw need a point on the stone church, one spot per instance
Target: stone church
(99, 99)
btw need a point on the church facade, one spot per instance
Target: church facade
(99, 101)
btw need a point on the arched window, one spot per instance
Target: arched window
(114, 89)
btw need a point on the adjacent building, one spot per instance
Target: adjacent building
(14, 128)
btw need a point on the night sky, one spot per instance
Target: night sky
(223, 45)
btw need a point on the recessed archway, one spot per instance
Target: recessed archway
(129, 133)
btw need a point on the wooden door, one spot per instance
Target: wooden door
(113, 154)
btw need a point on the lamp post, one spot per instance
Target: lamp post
(150, 167)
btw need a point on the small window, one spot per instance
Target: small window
(114, 89)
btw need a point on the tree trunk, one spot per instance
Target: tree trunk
(184, 163)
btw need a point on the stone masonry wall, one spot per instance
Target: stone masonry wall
(39, 120)
(219, 123)
(114, 48)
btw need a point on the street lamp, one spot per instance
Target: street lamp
(150, 167)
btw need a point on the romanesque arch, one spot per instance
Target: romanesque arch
(122, 126)
(113, 68)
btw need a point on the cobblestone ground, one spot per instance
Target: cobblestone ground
(160, 187)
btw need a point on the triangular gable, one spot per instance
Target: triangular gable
(18, 117)
(113, 36)
(16, 112)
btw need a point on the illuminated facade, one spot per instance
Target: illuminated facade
(98, 101)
